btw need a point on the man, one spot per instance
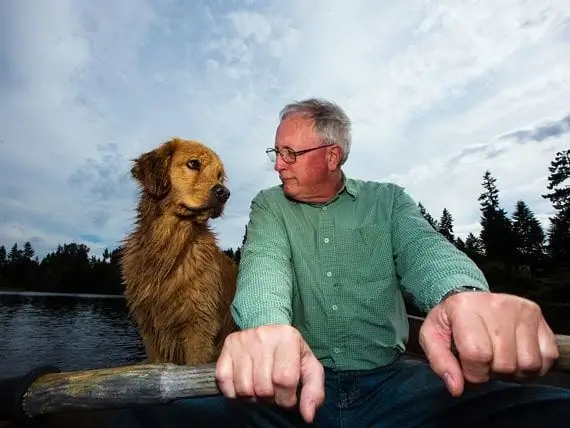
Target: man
(320, 281)
(323, 325)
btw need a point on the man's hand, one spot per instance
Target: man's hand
(492, 333)
(269, 363)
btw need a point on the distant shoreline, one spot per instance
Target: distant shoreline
(12, 292)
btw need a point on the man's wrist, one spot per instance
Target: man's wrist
(461, 289)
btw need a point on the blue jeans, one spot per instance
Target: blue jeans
(404, 394)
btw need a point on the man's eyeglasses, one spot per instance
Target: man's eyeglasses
(289, 155)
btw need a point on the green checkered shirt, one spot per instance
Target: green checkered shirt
(337, 271)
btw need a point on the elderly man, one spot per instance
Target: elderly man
(323, 325)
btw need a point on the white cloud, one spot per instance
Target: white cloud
(432, 88)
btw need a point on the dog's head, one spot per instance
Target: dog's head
(186, 176)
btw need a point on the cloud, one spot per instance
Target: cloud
(438, 92)
(551, 129)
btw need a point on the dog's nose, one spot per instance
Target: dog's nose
(221, 192)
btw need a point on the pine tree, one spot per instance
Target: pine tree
(474, 244)
(529, 235)
(445, 225)
(427, 215)
(15, 255)
(3, 256)
(496, 233)
(28, 251)
(559, 174)
(559, 195)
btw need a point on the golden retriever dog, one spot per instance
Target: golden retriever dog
(178, 283)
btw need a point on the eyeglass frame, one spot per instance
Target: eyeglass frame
(294, 152)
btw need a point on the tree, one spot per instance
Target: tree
(427, 215)
(3, 256)
(496, 233)
(15, 255)
(559, 240)
(28, 251)
(445, 225)
(559, 195)
(559, 170)
(529, 235)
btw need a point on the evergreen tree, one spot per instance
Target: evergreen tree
(559, 174)
(496, 233)
(472, 243)
(427, 215)
(559, 240)
(3, 256)
(28, 251)
(445, 225)
(473, 247)
(529, 235)
(15, 255)
(559, 195)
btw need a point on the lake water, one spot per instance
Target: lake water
(81, 332)
(72, 332)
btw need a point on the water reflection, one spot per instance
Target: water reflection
(71, 332)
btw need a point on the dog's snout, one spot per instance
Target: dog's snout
(222, 193)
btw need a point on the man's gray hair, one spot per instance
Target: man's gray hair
(330, 121)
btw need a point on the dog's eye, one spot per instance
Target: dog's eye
(193, 164)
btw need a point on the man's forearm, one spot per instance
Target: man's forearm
(429, 265)
(264, 284)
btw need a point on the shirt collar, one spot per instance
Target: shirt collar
(350, 187)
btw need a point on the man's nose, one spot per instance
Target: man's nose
(280, 164)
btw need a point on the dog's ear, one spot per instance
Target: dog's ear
(151, 170)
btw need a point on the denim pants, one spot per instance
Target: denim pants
(404, 394)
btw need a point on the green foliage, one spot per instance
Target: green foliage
(445, 225)
(427, 216)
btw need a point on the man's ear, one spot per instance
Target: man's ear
(151, 170)
(335, 157)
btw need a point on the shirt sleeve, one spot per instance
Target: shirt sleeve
(264, 283)
(428, 264)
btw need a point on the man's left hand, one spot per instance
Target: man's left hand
(492, 333)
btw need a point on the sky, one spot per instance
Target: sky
(438, 93)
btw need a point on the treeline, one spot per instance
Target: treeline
(517, 254)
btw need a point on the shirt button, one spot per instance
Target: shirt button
(334, 307)
(325, 208)
(326, 240)
(336, 350)
(329, 274)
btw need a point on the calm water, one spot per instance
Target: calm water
(69, 331)
(75, 332)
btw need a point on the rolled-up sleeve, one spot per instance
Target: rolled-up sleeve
(264, 284)
(428, 264)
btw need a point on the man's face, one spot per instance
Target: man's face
(301, 179)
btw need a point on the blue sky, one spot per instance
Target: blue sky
(437, 91)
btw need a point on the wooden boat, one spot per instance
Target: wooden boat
(91, 398)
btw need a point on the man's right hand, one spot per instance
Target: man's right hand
(269, 362)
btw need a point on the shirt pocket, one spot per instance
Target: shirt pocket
(367, 251)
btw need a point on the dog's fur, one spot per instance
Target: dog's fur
(178, 283)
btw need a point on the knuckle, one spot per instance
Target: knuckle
(261, 389)
(244, 389)
(285, 378)
(505, 366)
(530, 364)
(475, 374)
(221, 375)
(476, 354)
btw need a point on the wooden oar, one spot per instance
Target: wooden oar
(48, 391)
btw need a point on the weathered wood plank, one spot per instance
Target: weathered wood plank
(118, 387)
